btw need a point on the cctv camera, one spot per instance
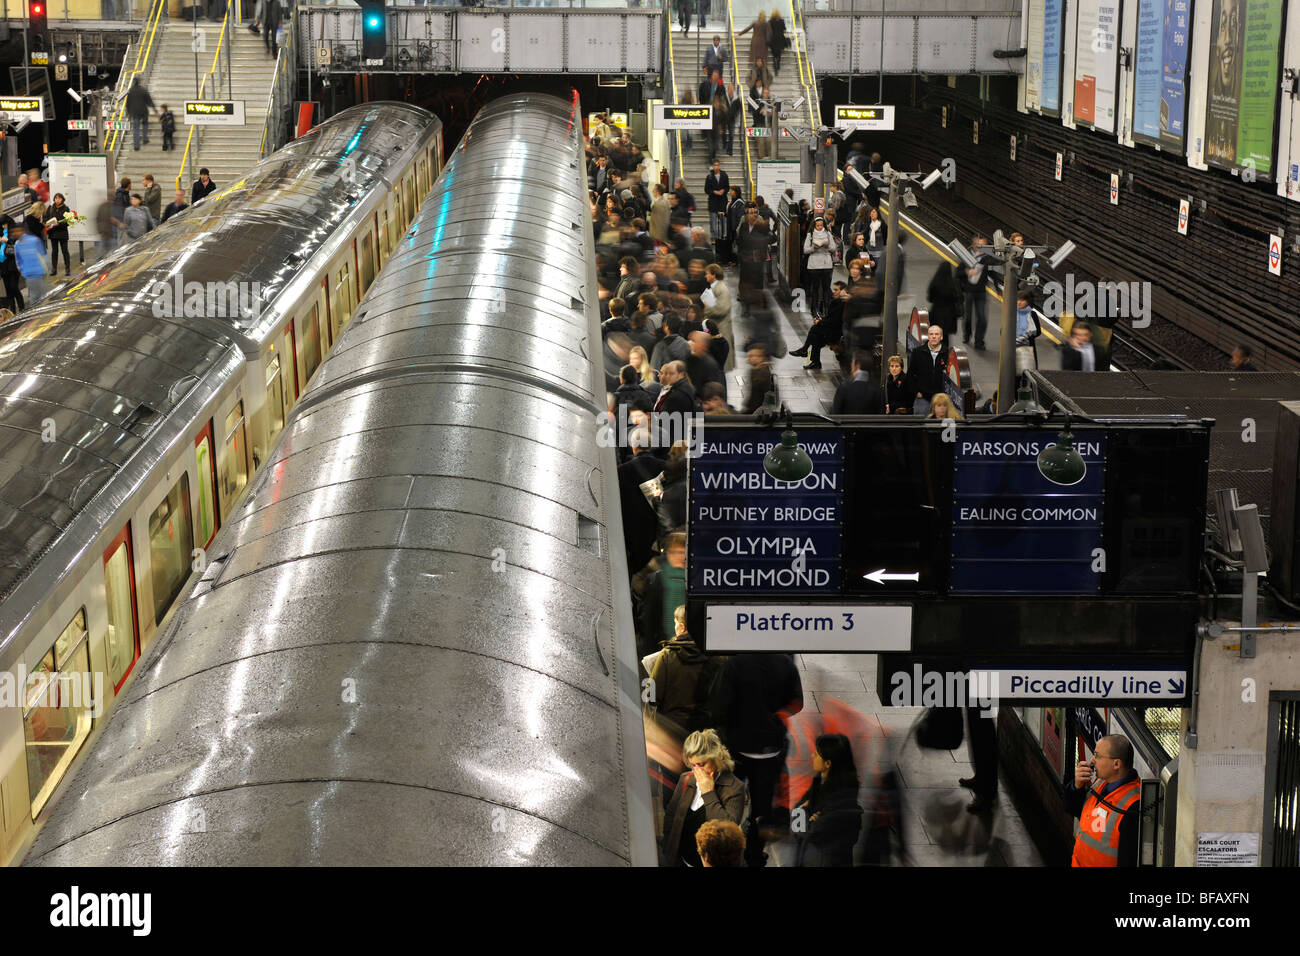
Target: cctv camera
(753, 104)
(1062, 253)
(797, 103)
(74, 94)
(857, 177)
(887, 170)
(963, 254)
(931, 179)
(23, 124)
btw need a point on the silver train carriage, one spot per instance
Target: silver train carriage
(139, 398)
(413, 644)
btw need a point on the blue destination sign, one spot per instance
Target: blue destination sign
(752, 534)
(1016, 532)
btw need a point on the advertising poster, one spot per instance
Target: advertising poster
(1159, 95)
(1051, 83)
(1034, 58)
(1096, 60)
(1242, 96)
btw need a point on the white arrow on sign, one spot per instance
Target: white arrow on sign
(881, 576)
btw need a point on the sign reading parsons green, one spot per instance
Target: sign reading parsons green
(753, 534)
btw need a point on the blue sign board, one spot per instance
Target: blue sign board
(1051, 94)
(752, 534)
(1159, 89)
(1013, 530)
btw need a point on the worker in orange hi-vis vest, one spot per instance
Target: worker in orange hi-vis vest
(1107, 795)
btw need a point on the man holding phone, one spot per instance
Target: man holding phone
(1107, 795)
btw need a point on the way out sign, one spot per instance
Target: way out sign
(1060, 161)
(1184, 212)
(1114, 189)
(1275, 255)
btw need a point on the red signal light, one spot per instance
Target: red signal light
(37, 9)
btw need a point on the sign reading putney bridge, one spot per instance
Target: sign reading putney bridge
(753, 534)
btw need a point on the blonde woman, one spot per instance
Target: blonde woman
(941, 406)
(708, 790)
(639, 360)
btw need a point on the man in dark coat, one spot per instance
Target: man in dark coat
(756, 694)
(674, 407)
(945, 297)
(701, 367)
(927, 365)
(859, 396)
(138, 105)
(640, 521)
(203, 186)
(716, 186)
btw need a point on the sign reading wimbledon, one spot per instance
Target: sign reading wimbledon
(1013, 531)
(752, 534)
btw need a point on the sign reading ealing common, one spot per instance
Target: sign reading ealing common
(1013, 530)
(753, 534)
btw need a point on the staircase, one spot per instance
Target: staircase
(688, 65)
(228, 152)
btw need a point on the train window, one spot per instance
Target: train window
(408, 194)
(275, 404)
(170, 544)
(123, 637)
(385, 242)
(57, 710)
(234, 462)
(310, 345)
(205, 466)
(367, 262)
(420, 186)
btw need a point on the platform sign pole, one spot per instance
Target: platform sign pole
(1007, 348)
(889, 323)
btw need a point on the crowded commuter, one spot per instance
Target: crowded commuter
(898, 397)
(827, 818)
(29, 254)
(1079, 355)
(57, 233)
(720, 843)
(664, 590)
(701, 366)
(707, 790)
(203, 186)
(860, 395)
(1241, 360)
(175, 205)
(927, 368)
(151, 198)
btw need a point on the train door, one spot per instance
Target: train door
(232, 470)
(57, 711)
(408, 195)
(122, 639)
(343, 294)
(275, 403)
(205, 467)
(171, 546)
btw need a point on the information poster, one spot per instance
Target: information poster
(83, 180)
(1241, 102)
(1052, 33)
(775, 176)
(1096, 62)
(1034, 58)
(1227, 849)
(1160, 87)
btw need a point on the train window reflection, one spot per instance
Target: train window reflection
(170, 542)
(367, 262)
(274, 400)
(310, 345)
(122, 640)
(234, 461)
(206, 468)
(57, 710)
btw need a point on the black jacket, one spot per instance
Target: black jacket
(945, 297)
(1072, 359)
(897, 394)
(680, 398)
(753, 689)
(829, 839)
(685, 681)
(640, 522)
(138, 101)
(726, 801)
(702, 369)
(925, 374)
(199, 191)
(858, 398)
(711, 182)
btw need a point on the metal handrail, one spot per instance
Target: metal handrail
(281, 87)
(141, 66)
(807, 79)
(741, 93)
(186, 160)
(677, 161)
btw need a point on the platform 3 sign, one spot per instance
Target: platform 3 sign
(1013, 530)
(813, 628)
(752, 534)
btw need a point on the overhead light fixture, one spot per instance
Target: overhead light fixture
(787, 461)
(1026, 404)
(1061, 464)
(1061, 254)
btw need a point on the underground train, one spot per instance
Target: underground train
(140, 398)
(412, 643)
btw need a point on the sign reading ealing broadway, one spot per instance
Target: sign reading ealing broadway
(1013, 530)
(753, 534)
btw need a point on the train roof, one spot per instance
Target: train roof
(98, 359)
